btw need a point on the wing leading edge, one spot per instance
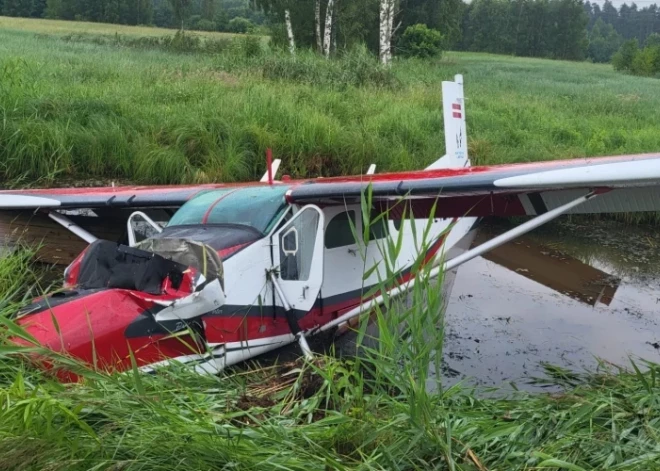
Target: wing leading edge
(104, 197)
(623, 184)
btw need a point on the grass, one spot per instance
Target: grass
(385, 409)
(76, 109)
(81, 107)
(62, 27)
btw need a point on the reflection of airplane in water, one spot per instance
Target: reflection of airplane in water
(556, 270)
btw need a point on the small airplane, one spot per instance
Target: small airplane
(242, 269)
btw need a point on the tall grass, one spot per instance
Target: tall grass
(374, 412)
(76, 109)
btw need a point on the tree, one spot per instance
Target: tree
(317, 25)
(569, 29)
(280, 10)
(624, 57)
(17, 7)
(208, 9)
(327, 35)
(652, 40)
(38, 8)
(387, 13)
(181, 10)
(604, 41)
(420, 41)
(610, 14)
(646, 62)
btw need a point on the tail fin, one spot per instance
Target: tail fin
(453, 105)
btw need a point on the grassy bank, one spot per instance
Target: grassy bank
(79, 109)
(383, 410)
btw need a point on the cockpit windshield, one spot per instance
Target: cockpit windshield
(257, 207)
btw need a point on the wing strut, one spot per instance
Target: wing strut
(469, 255)
(68, 224)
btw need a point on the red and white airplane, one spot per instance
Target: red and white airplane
(239, 270)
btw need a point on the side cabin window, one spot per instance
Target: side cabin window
(339, 232)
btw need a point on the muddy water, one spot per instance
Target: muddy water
(566, 294)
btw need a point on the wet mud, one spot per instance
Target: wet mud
(570, 294)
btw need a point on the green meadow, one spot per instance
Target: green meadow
(109, 104)
(99, 103)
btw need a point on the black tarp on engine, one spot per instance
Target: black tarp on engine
(110, 265)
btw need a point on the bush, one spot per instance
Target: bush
(240, 25)
(421, 41)
(250, 46)
(624, 57)
(652, 40)
(182, 42)
(206, 25)
(647, 62)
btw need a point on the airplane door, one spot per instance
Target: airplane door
(298, 256)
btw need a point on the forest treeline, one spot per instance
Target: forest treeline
(210, 15)
(609, 28)
(560, 29)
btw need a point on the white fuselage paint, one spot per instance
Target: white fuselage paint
(246, 279)
(246, 282)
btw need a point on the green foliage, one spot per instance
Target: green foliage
(356, 68)
(385, 408)
(17, 7)
(604, 41)
(538, 28)
(638, 61)
(630, 21)
(128, 108)
(181, 10)
(206, 25)
(652, 40)
(240, 25)
(180, 42)
(624, 57)
(647, 62)
(420, 41)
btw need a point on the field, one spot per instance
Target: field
(60, 27)
(91, 107)
(80, 103)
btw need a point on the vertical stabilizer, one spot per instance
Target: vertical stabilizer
(453, 105)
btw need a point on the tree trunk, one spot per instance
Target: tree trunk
(289, 32)
(390, 32)
(317, 24)
(327, 36)
(386, 21)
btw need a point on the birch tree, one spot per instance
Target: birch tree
(327, 36)
(317, 25)
(386, 25)
(281, 8)
(289, 31)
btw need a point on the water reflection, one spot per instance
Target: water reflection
(565, 294)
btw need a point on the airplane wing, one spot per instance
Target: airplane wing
(623, 184)
(102, 197)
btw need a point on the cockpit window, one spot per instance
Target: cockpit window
(257, 207)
